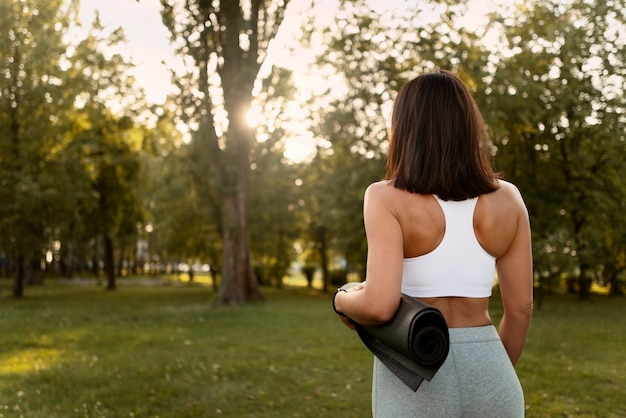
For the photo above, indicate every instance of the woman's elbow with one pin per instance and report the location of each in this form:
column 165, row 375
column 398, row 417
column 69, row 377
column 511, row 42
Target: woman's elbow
column 522, row 312
column 382, row 313
column 381, row 317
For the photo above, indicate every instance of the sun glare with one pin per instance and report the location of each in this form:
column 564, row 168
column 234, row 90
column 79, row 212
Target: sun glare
column 300, row 149
column 254, row 116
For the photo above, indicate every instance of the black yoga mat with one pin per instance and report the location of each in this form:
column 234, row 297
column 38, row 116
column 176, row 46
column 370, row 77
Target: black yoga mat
column 413, row 345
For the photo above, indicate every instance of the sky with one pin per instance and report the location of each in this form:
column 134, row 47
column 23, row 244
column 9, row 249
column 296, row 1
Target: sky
column 148, row 43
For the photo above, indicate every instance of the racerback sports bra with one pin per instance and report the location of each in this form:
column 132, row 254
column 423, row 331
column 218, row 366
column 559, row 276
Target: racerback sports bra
column 459, row 266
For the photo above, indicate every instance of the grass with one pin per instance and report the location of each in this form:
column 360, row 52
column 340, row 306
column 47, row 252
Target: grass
column 574, row 364
column 172, row 351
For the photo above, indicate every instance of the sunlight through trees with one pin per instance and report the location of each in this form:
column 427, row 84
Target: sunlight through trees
column 257, row 163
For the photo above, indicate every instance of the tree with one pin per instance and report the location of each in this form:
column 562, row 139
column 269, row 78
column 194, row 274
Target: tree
column 558, row 106
column 227, row 41
column 276, row 193
column 274, row 220
column 111, row 167
column 32, row 100
column 103, row 143
column 375, row 55
column 51, row 92
column 182, row 229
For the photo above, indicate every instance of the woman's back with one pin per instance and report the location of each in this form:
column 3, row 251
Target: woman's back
column 495, row 222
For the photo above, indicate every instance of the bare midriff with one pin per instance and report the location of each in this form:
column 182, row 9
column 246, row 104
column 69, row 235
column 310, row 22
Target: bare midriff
column 461, row 312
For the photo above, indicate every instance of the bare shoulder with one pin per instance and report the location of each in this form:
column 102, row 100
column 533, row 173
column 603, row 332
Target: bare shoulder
column 507, row 198
column 380, row 192
column 510, row 190
column 379, row 188
column 394, row 199
column 375, row 195
column 498, row 217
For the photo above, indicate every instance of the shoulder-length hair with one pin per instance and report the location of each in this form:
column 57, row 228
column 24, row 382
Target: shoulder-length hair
column 438, row 141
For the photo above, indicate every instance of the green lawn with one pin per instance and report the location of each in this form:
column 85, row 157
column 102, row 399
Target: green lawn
column 172, row 351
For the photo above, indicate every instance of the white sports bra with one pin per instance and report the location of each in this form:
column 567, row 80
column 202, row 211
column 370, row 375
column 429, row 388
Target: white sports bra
column 459, row 266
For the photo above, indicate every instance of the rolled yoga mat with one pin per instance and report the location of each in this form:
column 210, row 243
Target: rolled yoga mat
column 413, row 345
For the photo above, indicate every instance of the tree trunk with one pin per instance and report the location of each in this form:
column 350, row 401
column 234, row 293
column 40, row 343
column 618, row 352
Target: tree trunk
column 239, row 284
column 614, row 289
column 33, row 272
column 70, row 262
column 96, row 259
column 539, row 293
column 18, row 284
column 584, row 281
column 278, row 273
column 323, row 248
column 214, row 280
column 109, row 266
column 120, row 260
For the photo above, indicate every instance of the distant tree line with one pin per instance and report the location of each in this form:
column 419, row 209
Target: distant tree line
column 86, row 185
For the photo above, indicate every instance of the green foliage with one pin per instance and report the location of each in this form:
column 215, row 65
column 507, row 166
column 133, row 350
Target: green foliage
column 69, row 351
column 67, row 165
column 31, row 104
column 556, row 110
column 549, row 79
column 184, row 231
column 374, row 56
column 547, row 75
column 275, row 201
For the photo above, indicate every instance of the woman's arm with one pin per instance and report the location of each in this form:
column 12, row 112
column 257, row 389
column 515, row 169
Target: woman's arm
column 515, row 277
column 377, row 301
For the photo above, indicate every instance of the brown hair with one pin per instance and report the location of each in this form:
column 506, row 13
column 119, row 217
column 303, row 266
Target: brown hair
column 438, row 141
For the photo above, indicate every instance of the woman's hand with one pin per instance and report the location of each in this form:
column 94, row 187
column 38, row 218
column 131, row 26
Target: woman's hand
column 348, row 288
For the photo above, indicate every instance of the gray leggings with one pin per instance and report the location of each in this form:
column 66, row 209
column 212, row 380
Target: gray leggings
column 476, row 380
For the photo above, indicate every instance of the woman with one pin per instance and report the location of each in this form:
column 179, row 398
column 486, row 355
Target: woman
column 438, row 228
